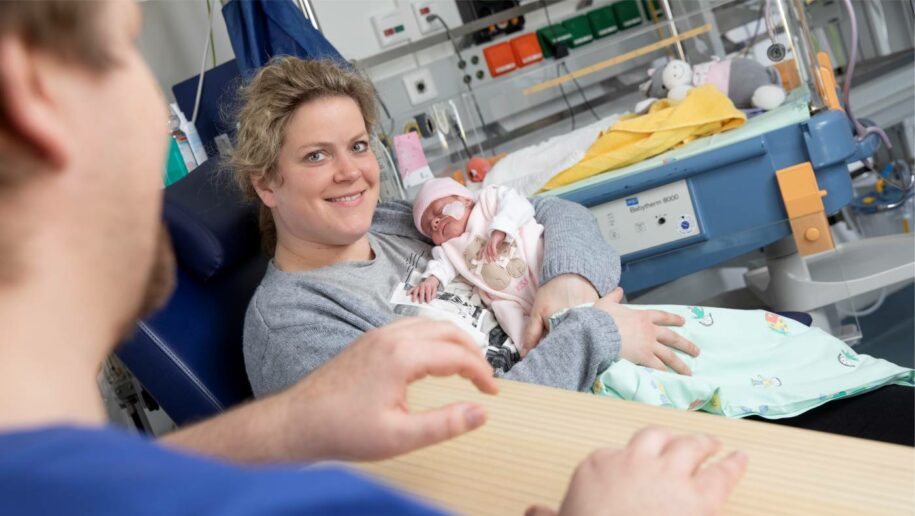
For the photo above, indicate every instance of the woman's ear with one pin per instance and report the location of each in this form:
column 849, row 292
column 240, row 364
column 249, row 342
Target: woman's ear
column 265, row 190
column 26, row 104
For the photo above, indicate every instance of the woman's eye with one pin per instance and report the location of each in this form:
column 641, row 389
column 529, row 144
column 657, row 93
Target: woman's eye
column 315, row 157
column 360, row 146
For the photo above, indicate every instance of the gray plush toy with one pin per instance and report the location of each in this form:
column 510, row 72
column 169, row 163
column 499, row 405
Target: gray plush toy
column 747, row 83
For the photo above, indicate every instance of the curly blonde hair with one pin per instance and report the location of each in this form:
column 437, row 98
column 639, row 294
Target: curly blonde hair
column 268, row 102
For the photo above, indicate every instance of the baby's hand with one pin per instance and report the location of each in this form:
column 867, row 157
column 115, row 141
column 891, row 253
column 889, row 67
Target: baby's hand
column 491, row 250
column 425, row 291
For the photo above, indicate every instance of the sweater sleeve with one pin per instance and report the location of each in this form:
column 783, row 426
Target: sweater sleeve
column 572, row 243
column 514, row 211
column 440, row 267
column 276, row 358
column 584, row 342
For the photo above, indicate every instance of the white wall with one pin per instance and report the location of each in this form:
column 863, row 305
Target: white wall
column 173, row 37
column 347, row 25
column 175, row 31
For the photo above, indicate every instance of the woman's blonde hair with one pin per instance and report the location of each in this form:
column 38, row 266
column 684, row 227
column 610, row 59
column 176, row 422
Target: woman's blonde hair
column 268, row 102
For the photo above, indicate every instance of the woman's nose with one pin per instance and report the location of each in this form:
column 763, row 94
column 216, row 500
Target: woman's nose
column 347, row 171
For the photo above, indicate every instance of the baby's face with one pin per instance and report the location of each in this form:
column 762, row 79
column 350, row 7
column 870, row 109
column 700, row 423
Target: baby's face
column 441, row 227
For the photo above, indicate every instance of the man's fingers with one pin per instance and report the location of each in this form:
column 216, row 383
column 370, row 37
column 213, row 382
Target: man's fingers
column 673, row 339
column 663, row 318
column 440, row 359
column 539, row 510
column 437, row 425
column 650, row 441
column 719, row 479
column 408, row 328
column 672, row 361
column 686, row 453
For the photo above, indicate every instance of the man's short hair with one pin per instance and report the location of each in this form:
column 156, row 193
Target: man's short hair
column 69, row 29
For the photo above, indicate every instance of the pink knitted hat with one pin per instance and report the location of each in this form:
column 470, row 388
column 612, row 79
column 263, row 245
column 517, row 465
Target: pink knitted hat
column 433, row 190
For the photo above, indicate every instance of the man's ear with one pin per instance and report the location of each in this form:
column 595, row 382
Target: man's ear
column 26, row 105
column 265, row 190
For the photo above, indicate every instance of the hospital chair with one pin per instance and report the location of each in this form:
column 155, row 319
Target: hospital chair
column 189, row 354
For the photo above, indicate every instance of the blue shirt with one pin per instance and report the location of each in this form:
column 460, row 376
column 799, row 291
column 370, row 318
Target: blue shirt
column 67, row 470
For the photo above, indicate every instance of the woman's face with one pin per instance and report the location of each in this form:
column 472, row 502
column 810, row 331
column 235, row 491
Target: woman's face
column 327, row 183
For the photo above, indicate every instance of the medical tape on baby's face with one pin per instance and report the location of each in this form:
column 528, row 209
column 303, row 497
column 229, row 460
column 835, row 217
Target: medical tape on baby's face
column 454, row 210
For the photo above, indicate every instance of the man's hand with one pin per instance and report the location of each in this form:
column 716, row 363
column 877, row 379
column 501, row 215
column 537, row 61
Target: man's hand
column 655, row 474
column 355, row 406
column 490, row 252
column 425, row 291
column 644, row 340
column 563, row 291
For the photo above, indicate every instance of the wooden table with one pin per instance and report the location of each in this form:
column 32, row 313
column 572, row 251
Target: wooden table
column 535, row 436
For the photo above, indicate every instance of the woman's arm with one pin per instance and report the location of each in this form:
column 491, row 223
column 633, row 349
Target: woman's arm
column 584, row 343
column 572, row 243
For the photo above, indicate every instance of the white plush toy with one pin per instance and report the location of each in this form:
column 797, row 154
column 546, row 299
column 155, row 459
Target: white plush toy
column 747, row 83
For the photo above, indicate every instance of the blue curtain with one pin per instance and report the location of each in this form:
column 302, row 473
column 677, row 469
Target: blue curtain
column 261, row 29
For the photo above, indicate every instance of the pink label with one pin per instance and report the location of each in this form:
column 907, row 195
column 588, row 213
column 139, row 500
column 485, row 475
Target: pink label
column 411, row 160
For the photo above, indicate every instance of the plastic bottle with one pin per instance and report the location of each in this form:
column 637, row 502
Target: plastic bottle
column 175, row 168
column 179, row 137
column 193, row 138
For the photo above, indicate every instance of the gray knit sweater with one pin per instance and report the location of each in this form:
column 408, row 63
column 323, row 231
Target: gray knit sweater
column 297, row 321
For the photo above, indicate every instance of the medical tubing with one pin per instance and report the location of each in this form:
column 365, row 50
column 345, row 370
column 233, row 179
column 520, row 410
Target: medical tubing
column 849, row 72
column 203, row 65
column 762, row 12
column 473, row 95
column 566, row 99
column 769, row 28
column 580, row 91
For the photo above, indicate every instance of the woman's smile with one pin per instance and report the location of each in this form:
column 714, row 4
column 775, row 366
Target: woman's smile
column 349, row 200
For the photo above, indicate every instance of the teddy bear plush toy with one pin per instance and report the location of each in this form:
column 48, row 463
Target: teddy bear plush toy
column 747, row 83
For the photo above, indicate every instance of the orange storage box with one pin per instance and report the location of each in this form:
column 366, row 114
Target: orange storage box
column 526, row 49
column 500, row 58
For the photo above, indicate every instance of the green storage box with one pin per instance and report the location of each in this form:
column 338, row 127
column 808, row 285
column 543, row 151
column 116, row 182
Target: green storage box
column 580, row 28
column 552, row 35
column 627, row 14
column 603, row 22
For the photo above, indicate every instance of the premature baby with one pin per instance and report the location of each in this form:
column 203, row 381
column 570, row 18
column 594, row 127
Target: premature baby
column 490, row 239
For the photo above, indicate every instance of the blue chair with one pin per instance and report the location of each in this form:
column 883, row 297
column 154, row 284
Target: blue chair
column 188, row 356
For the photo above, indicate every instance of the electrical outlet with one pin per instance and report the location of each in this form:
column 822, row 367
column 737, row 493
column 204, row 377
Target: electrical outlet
column 422, row 10
column 420, row 86
column 390, row 28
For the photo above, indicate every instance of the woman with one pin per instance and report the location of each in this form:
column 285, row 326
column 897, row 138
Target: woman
column 338, row 256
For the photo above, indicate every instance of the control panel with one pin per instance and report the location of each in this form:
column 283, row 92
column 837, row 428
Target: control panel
column 648, row 219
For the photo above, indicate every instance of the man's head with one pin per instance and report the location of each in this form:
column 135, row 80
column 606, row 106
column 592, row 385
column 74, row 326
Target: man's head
column 82, row 140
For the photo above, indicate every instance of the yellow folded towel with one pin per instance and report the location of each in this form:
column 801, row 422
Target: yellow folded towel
column 704, row 111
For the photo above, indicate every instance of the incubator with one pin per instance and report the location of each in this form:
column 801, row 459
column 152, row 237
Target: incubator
column 744, row 217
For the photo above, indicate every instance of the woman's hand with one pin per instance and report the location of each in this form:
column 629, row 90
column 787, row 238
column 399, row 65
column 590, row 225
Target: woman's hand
column 644, row 340
column 655, row 474
column 563, row 291
column 425, row 291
